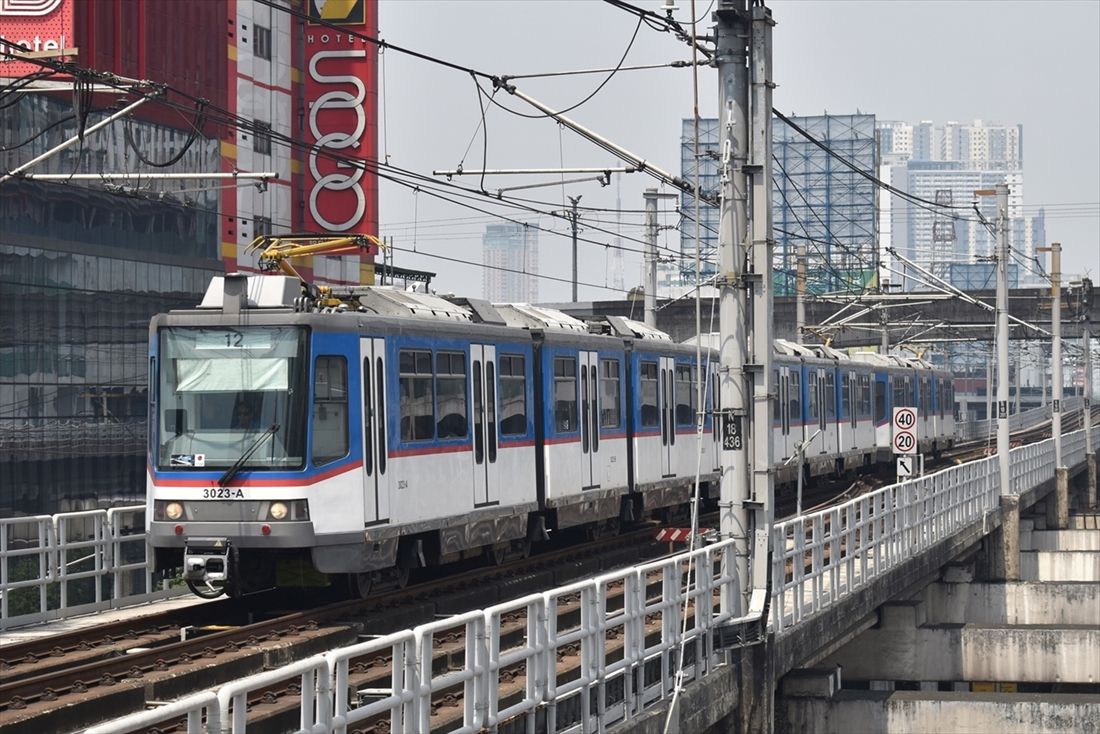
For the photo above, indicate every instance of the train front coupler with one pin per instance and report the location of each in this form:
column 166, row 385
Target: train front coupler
column 210, row 567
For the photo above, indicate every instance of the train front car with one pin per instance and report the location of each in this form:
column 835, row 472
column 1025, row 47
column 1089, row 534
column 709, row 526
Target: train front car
column 249, row 430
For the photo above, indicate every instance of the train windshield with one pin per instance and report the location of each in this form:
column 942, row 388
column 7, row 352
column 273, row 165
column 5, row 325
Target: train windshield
column 221, row 388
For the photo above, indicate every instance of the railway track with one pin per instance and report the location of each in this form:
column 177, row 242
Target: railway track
column 123, row 667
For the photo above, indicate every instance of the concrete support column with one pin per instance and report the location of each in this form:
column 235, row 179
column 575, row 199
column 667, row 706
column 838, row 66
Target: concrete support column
column 1006, row 566
column 1061, row 498
column 1091, row 459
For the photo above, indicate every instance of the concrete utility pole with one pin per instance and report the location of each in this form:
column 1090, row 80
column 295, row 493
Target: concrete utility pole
column 651, row 228
column 1090, row 451
column 745, row 350
column 1061, row 475
column 800, row 293
column 1002, row 337
column 574, row 200
column 761, row 285
column 1009, row 532
column 651, row 258
column 731, row 57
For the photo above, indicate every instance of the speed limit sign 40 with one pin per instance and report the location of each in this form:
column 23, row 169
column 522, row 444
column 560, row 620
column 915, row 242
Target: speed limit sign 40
column 905, row 426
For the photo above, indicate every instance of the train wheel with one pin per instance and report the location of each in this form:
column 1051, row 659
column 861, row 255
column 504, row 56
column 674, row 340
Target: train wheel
column 360, row 585
column 401, row 576
column 496, row 554
column 206, row 589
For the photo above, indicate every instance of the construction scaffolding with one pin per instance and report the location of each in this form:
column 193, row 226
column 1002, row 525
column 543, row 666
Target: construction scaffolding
column 817, row 201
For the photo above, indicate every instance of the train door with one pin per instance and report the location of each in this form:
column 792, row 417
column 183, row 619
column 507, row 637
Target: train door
column 781, row 419
column 483, row 371
column 851, row 416
column 376, row 496
column 715, row 419
column 590, row 419
column 826, row 384
column 666, row 400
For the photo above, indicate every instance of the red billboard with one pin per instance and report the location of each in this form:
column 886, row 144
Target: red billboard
column 42, row 26
column 340, row 90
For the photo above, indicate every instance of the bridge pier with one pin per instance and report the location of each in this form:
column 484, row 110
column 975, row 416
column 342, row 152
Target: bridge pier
column 1005, row 541
column 1091, row 488
column 967, row 654
column 1060, row 506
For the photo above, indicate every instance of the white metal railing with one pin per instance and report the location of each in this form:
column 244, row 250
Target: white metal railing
column 971, row 430
column 59, row 566
column 821, row 557
column 503, row 664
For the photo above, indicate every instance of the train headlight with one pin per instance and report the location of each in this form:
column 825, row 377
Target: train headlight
column 278, row 511
column 174, row 510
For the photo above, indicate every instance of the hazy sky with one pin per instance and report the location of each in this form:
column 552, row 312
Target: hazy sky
column 1012, row 62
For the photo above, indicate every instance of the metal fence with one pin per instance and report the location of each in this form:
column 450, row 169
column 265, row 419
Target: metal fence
column 59, row 566
column 987, row 428
column 623, row 631
column 821, row 557
column 509, row 664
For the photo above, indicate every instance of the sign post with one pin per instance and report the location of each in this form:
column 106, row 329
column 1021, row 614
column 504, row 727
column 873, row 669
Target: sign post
column 904, row 443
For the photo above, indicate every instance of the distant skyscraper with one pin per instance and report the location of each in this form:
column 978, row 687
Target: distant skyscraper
column 946, row 165
column 816, row 201
column 510, row 253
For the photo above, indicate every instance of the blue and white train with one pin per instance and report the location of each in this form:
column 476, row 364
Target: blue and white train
column 400, row 430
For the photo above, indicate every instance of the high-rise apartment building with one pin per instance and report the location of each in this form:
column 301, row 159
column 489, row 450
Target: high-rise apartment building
column 510, row 253
column 944, row 165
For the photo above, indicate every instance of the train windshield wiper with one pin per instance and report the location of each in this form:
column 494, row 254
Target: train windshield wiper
column 232, row 471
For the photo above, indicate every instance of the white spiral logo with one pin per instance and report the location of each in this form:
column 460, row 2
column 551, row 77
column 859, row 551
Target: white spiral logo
column 28, row 7
column 337, row 139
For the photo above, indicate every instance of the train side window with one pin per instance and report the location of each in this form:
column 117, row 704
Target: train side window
column 864, row 396
column 417, row 404
column 513, row 395
column 880, row 400
column 794, row 396
column 381, row 422
column 368, row 434
column 846, row 397
column 565, row 394
column 683, row 395
column 647, row 381
column 814, row 408
column 777, row 413
column 479, row 436
column 830, row 394
column 330, row 409
column 491, row 410
column 450, row 394
column 610, row 395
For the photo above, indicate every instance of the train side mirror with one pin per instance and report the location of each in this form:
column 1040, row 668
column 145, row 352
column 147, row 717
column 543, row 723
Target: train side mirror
column 176, row 419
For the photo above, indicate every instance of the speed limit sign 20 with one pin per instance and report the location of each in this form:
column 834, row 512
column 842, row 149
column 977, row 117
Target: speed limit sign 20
column 905, row 442
column 905, row 425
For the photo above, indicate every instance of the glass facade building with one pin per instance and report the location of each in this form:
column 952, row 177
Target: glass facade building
column 82, row 270
column 510, row 252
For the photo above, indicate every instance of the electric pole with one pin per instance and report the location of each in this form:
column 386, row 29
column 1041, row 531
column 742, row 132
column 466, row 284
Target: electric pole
column 1002, row 337
column 1083, row 303
column 572, row 214
column 744, row 278
column 800, row 293
column 651, row 197
column 1061, row 476
column 731, row 56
